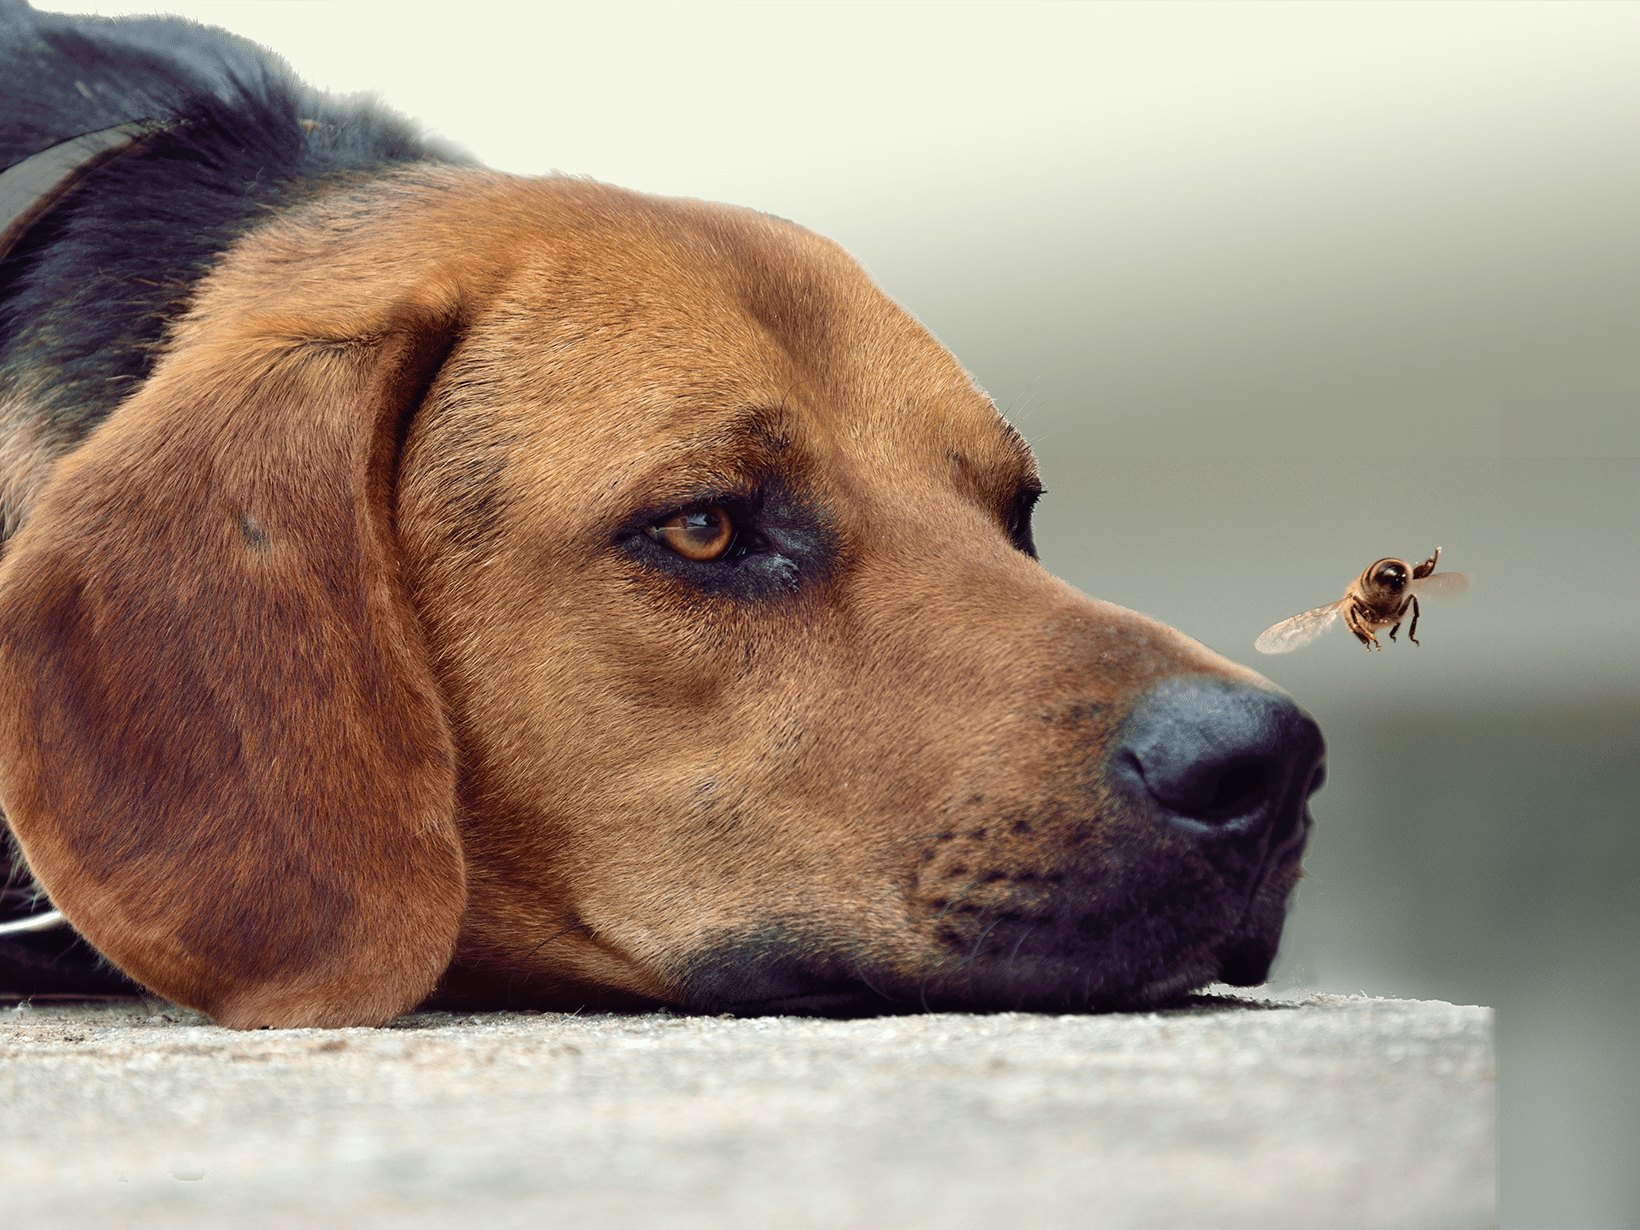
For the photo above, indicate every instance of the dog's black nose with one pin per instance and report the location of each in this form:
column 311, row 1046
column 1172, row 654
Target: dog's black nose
column 1221, row 759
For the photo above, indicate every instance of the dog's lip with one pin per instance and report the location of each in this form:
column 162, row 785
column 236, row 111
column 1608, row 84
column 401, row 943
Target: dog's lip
column 1192, row 976
column 767, row 978
column 1192, row 972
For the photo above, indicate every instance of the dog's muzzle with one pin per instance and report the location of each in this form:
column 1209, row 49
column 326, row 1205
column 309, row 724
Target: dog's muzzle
column 1164, row 866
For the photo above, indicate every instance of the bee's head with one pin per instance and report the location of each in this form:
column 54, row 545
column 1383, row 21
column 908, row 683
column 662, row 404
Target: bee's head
column 1389, row 574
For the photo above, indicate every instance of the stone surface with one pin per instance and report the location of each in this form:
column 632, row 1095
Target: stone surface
column 1230, row 1112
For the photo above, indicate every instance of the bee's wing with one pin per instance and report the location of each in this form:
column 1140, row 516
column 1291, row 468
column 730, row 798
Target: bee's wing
column 1289, row 634
column 1441, row 585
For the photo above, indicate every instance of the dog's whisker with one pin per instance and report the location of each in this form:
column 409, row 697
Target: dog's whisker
column 558, row 935
column 1024, row 934
column 976, row 948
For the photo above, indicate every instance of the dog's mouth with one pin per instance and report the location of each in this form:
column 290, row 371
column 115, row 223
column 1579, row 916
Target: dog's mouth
column 823, row 998
column 796, row 968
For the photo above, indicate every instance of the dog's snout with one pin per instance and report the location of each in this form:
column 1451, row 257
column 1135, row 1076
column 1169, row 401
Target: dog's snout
column 1221, row 759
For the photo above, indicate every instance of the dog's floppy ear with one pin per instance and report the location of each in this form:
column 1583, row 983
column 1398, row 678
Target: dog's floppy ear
column 221, row 745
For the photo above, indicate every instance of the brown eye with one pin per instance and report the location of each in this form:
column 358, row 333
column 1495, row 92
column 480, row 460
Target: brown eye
column 702, row 535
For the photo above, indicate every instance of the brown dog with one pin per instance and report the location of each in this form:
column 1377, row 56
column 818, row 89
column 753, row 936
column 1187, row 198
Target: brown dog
column 548, row 594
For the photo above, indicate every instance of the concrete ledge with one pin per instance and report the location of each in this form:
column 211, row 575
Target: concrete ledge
column 1329, row 1111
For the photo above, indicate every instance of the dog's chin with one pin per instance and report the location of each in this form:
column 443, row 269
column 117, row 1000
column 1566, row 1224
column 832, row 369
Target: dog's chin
column 769, row 973
column 863, row 1001
column 1245, row 960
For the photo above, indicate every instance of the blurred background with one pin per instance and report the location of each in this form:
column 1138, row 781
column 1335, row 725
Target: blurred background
column 1274, row 290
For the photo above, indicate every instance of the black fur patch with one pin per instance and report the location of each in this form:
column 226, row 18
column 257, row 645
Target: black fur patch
column 86, row 297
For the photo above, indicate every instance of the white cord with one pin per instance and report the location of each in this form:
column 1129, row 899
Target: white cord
column 40, row 922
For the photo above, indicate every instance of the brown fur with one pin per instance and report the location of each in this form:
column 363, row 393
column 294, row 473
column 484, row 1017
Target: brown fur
column 321, row 666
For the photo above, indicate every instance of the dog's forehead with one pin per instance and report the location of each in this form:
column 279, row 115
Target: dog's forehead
column 702, row 328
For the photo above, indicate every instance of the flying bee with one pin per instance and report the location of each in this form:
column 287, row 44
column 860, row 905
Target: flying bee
column 1378, row 598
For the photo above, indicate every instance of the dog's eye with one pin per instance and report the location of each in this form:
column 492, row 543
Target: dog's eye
column 702, row 535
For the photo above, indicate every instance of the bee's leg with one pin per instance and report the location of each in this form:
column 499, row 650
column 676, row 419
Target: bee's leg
column 1400, row 617
column 1424, row 569
column 1354, row 622
column 1412, row 632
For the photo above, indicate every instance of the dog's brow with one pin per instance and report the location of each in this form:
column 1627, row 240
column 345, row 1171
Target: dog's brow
column 756, row 429
column 731, row 451
column 1016, row 444
column 1003, row 462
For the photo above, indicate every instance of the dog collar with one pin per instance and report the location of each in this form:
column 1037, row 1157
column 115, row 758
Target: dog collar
column 36, row 922
column 30, row 189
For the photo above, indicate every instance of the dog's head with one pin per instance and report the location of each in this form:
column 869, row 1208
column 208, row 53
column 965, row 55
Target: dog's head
column 595, row 599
